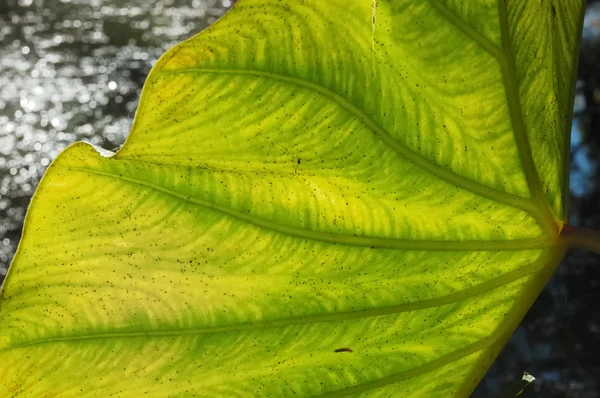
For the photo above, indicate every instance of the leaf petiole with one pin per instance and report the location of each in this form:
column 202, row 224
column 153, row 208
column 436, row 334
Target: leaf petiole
column 581, row 238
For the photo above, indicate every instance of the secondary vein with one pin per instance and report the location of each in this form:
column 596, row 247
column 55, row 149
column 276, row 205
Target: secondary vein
column 425, row 164
column 354, row 240
column 455, row 297
column 416, row 371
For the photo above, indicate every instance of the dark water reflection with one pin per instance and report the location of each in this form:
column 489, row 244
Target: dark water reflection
column 72, row 70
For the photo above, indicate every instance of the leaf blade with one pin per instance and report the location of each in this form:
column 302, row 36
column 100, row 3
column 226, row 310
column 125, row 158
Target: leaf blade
column 219, row 230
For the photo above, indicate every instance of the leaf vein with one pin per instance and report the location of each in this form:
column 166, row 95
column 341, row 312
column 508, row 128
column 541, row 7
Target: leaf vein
column 503, row 56
column 451, row 298
column 353, row 240
column 434, row 169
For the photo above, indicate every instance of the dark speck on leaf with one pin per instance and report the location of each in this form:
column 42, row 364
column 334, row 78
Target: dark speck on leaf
column 345, row 349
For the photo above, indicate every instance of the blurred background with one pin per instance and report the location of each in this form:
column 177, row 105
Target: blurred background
column 72, row 70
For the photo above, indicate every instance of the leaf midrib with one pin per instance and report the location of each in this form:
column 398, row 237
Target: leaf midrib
column 504, row 58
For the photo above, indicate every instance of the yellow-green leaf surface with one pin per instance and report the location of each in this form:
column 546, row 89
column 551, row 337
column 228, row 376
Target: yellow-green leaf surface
column 305, row 176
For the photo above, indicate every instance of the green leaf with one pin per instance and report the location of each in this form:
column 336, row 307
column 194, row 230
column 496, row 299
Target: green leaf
column 386, row 177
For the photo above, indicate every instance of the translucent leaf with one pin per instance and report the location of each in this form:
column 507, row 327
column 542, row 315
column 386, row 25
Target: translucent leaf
column 318, row 198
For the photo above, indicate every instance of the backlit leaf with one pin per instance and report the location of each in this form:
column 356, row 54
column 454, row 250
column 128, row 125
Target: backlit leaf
column 318, row 198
